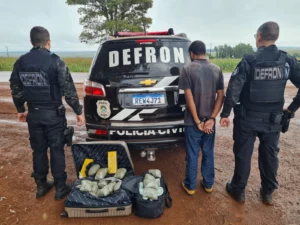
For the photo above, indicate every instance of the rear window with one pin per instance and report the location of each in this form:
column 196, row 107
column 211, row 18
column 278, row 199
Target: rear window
column 156, row 57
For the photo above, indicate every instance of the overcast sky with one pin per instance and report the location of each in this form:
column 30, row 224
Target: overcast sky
column 214, row 22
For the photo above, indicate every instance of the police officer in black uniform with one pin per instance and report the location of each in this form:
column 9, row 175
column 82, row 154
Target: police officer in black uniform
column 256, row 91
column 41, row 78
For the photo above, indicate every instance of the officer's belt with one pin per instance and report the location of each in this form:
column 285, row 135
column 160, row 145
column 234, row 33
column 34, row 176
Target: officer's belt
column 43, row 107
column 259, row 115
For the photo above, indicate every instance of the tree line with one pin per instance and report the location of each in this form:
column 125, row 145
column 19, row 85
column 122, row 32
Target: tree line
column 238, row 51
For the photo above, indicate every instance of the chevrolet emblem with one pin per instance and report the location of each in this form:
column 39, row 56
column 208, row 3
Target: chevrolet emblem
column 148, row 82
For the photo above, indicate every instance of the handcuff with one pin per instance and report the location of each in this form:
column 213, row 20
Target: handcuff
column 206, row 119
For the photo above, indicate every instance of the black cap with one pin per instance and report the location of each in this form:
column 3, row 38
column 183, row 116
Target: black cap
column 198, row 48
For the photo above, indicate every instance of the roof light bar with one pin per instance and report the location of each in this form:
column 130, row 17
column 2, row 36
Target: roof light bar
column 145, row 41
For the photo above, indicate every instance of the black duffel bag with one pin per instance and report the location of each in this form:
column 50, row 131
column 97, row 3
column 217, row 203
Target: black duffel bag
column 146, row 208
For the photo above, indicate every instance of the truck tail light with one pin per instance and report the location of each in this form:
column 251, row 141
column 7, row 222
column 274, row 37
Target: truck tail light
column 98, row 132
column 131, row 34
column 92, row 88
column 101, row 132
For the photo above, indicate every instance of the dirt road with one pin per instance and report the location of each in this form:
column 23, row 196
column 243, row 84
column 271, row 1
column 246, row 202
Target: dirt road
column 17, row 189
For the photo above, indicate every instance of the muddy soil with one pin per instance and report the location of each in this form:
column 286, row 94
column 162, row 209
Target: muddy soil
column 17, row 189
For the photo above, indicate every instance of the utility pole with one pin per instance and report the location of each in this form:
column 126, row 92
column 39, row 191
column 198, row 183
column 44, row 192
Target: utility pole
column 210, row 49
column 7, row 51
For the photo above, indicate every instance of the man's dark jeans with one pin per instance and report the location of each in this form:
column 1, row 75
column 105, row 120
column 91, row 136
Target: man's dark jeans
column 195, row 139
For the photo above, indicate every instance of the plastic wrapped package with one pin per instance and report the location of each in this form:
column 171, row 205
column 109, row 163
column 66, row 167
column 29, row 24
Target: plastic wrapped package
column 156, row 173
column 101, row 174
column 93, row 170
column 120, row 174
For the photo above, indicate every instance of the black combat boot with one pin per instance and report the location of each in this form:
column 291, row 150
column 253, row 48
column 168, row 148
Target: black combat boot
column 43, row 187
column 239, row 197
column 266, row 197
column 61, row 190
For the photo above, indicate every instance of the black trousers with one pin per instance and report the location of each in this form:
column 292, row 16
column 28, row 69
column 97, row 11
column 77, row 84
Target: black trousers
column 244, row 134
column 46, row 129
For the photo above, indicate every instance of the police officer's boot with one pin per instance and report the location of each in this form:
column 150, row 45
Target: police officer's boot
column 43, row 187
column 266, row 197
column 61, row 190
column 238, row 196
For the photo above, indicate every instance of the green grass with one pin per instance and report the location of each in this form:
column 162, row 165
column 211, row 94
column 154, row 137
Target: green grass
column 6, row 64
column 78, row 64
column 74, row 64
column 83, row 64
column 227, row 65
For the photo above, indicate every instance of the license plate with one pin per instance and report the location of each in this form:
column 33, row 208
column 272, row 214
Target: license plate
column 148, row 99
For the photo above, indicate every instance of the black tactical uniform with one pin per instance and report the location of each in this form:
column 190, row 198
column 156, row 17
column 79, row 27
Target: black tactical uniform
column 258, row 85
column 41, row 78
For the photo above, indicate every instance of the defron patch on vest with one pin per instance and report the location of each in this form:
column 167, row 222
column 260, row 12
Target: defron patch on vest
column 271, row 73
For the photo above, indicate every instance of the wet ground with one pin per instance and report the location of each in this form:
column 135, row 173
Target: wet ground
column 17, row 189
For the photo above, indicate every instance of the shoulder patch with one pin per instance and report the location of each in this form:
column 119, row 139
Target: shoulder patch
column 287, row 70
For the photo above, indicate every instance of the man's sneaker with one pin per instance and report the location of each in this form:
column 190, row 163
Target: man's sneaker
column 190, row 192
column 239, row 197
column 62, row 190
column 207, row 190
column 266, row 198
column 43, row 187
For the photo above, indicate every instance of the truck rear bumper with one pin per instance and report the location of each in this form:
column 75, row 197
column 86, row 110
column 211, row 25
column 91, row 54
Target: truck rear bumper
column 149, row 143
column 149, row 135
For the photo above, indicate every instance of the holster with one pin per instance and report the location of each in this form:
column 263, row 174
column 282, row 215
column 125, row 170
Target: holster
column 69, row 131
column 238, row 111
column 68, row 134
column 276, row 117
column 61, row 110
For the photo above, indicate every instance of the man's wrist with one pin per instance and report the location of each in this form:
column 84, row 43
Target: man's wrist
column 212, row 118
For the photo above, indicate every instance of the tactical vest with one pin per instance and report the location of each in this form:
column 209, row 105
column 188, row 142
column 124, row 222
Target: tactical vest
column 264, row 89
column 38, row 85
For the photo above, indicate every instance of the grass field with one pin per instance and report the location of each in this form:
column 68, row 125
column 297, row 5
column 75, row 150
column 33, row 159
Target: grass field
column 83, row 64
column 74, row 64
column 227, row 65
